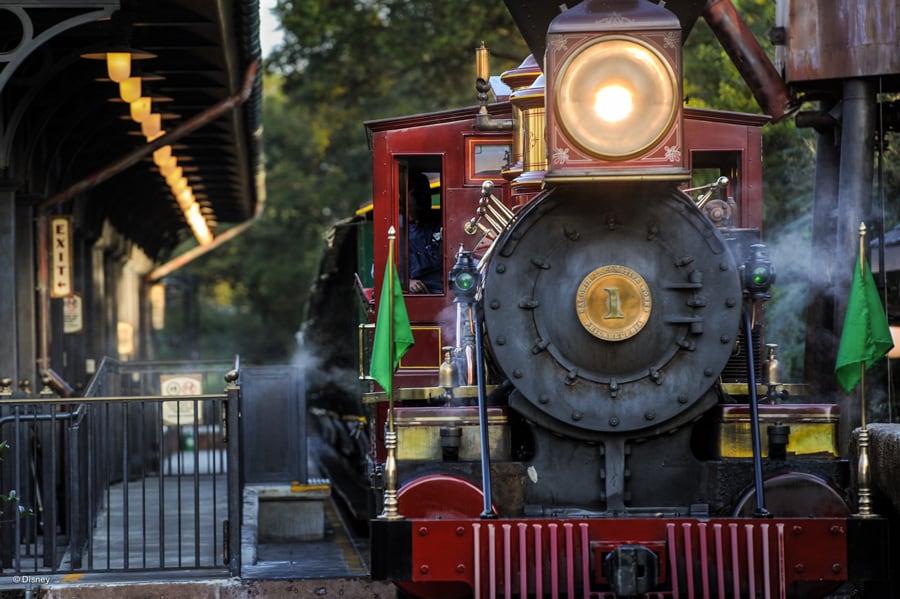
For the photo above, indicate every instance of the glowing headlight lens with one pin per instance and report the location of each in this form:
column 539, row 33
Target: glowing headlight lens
column 613, row 103
column 616, row 97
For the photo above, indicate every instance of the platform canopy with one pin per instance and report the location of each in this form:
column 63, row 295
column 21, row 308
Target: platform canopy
column 64, row 124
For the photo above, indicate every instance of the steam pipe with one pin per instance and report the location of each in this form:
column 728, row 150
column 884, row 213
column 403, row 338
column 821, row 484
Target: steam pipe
column 767, row 86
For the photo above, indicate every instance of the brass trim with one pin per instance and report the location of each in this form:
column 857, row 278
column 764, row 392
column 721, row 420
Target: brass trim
column 795, row 389
column 638, row 174
column 424, row 393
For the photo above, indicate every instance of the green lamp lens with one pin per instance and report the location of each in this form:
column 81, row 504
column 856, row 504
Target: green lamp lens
column 465, row 281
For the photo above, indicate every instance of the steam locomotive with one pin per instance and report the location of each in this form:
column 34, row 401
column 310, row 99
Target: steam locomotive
column 590, row 407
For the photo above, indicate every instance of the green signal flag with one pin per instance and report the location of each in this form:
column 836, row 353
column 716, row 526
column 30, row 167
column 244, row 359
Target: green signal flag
column 866, row 336
column 386, row 359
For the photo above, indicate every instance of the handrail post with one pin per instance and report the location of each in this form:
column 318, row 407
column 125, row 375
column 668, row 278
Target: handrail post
column 235, row 478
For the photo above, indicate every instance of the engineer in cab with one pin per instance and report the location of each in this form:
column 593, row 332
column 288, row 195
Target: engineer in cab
column 424, row 239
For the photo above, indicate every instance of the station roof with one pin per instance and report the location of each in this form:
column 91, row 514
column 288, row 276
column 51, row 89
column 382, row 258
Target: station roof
column 67, row 136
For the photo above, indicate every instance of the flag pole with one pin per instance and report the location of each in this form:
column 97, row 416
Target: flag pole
column 391, row 507
column 862, row 469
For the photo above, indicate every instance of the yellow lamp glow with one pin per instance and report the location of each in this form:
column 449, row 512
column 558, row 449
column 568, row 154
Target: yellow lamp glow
column 178, row 184
column 176, row 174
column 198, row 224
column 613, row 103
column 130, row 89
column 118, row 65
column 168, row 167
column 151, row 125
column 140, row 109
column 162, row 156
column 185, row 198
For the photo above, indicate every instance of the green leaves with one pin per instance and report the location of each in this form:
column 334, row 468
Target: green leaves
column 382, row 58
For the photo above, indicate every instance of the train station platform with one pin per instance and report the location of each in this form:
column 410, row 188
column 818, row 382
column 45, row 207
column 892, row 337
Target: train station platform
column 332, row 562
column 334, row 566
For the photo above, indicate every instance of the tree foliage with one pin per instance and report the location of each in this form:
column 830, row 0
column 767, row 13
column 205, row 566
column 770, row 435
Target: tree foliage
column 376, row 58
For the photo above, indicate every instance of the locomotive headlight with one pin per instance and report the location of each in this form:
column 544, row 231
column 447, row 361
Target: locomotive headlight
column 616, row 97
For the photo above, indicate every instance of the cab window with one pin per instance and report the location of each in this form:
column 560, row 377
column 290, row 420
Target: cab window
column 421, row 232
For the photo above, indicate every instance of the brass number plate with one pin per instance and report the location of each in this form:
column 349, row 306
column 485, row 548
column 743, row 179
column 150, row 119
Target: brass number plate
column 613, row 303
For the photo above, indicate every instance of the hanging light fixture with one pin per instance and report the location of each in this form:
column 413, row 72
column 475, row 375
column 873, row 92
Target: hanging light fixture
column 118, row 65
column 119, row 55
column 198, row 225
column 140, row 109
column 167, row 166
column 130, row 89
column 185, row 198
column 176, row 174
column 178, row 185
column 118, row 60
column 162, row 156
column 119, row 68
column 152, row 125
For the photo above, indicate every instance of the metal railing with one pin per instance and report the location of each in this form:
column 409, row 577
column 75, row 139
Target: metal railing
column 141, row 473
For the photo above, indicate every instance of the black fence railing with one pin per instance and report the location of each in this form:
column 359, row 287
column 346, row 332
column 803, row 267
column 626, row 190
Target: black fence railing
column 141, row 473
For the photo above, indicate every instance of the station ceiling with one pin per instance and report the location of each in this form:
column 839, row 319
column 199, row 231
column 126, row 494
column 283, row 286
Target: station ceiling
column 66, row 136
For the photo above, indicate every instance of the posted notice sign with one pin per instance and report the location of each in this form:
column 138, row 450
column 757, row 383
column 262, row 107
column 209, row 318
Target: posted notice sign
column 180, row 412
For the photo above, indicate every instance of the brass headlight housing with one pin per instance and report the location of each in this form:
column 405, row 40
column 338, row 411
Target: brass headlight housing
column 616, row 97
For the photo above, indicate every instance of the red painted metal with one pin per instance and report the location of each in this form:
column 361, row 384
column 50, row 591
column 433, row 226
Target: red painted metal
column 670, row 537
column 585, row 557
column 523, row 554
column 720, row 559
column 704, row 558
column 761, row 557
column 782, row 587
column 751, row 569
column 538, row 561
column 442, row 496
column 688, row 557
